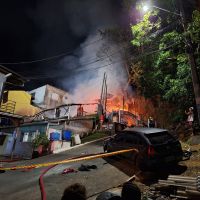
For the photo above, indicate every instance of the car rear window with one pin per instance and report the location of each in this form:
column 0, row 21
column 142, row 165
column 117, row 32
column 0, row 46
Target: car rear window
column 159, row 138
column 128, row 138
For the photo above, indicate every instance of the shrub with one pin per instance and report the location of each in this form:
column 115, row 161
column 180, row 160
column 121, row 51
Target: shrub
column 41, row 140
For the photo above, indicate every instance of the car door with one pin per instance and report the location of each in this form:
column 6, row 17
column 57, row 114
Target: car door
column 142, row 148
column 118, row 142
column 131, row 141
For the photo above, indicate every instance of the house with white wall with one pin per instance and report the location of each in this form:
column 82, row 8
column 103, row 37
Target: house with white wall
column 48, row 96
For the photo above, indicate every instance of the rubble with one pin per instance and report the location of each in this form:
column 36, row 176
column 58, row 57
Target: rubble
column 175, row 187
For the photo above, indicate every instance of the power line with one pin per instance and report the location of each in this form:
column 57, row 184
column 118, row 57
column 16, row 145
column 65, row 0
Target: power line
column 102, row 58
column 78, row 69
column 103, row 66
column 70, row 52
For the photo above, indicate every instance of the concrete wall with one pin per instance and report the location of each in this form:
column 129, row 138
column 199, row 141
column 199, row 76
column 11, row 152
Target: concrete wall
column 22, row 149
column 9, row 146
column 59, row 146
column 55, row 97
column 39, row 95
column 48, row 96
column 87, row 124
column 22, row 102
column 3, row 146
column 81, row 127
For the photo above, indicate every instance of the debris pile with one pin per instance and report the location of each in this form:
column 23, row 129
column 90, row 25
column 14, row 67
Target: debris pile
column 176, row 187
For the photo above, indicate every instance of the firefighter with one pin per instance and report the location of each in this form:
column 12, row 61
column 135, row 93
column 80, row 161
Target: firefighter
column 151, row 122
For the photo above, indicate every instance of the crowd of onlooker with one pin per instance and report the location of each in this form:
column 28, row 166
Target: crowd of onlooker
column 130, row 191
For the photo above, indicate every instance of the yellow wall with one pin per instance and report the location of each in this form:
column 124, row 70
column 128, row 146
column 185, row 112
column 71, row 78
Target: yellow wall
column 23, row 103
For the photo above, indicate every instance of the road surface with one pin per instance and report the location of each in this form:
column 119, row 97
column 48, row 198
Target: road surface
column 15, row 185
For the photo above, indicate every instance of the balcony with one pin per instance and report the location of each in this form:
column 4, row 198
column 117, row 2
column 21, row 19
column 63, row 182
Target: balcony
column 8, row 107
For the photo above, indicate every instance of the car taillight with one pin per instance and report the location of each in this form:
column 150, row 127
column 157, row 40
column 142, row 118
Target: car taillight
column 151, row 151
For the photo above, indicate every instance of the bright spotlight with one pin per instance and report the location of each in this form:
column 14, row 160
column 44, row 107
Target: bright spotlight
column 145, row 8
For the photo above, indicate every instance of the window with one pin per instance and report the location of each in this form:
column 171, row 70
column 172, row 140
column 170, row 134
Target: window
column 33, row 96
column 119, row 138
column 27, row 137
column 5, row 97
column 54, row 97
column 131, row 138
column 159, row 138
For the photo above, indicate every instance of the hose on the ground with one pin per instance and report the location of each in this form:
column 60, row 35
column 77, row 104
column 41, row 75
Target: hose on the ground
column 41, row 181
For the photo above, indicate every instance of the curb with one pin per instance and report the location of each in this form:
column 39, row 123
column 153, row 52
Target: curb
column 80, row 145
column 65, row 161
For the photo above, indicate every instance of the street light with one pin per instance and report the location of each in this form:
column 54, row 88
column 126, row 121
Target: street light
column 189, row 51
column 146, row 7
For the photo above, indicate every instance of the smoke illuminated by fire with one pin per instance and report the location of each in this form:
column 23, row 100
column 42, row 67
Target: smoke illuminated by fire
column 88, row 82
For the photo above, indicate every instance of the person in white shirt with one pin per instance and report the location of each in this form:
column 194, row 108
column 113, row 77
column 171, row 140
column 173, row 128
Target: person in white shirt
column 190, row 115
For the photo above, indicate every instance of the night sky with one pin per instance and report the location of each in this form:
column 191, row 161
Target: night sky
column 37, row 29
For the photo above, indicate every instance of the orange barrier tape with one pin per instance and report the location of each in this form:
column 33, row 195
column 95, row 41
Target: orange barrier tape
column 101, row 155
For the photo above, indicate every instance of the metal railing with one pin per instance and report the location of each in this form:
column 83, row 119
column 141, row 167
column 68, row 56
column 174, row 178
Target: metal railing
column 8, row 107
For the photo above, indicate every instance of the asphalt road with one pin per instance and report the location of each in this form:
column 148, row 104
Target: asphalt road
column 15, row 185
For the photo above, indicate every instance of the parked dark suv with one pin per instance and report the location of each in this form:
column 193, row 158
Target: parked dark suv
column 156, row 147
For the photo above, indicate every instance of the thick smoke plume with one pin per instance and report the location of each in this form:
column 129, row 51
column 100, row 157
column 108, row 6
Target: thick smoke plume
column 96, row 57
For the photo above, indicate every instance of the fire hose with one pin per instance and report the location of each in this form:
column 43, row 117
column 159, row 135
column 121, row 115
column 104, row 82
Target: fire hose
column 83, row 158
column 50, row 165
column 41, row 181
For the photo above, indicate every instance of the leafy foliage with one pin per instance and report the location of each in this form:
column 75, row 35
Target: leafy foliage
column 41, row 139
column 164, row 66
column 154, row 50
column 194, row 27
column 142, row 30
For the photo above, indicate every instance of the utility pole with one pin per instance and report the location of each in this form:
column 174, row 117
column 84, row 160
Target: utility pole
column 192, row 61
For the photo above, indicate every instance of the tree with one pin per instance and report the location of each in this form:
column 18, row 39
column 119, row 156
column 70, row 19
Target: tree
column 155, row 57
column 164, row 63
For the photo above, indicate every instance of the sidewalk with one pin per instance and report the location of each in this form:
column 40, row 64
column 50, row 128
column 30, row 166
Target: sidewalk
column 51, row 157
column 4, row 159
